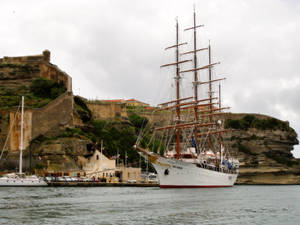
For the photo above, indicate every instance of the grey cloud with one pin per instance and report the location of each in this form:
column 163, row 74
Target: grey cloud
column 113, row 49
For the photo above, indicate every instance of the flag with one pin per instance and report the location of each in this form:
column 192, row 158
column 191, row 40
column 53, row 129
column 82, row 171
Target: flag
column 115, row 156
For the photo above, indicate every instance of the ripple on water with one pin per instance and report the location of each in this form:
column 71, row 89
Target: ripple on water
column 113, row 205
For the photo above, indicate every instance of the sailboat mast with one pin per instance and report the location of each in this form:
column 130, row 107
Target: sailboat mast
column 177, row 80
column 21, row 138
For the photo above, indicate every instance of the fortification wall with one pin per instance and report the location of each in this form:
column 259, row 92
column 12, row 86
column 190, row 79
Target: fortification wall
column 108, row 110
column 49, row 121
column 54, row 117
column 21, row 70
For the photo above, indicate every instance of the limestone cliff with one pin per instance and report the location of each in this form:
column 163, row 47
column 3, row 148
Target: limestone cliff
column 264, row 150
column 62, row 132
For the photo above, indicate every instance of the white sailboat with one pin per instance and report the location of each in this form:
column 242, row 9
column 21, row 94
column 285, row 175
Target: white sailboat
column 194, row 154
column 20, row 179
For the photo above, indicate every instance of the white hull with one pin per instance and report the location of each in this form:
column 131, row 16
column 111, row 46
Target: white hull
column 21, row 181
column 182, row 174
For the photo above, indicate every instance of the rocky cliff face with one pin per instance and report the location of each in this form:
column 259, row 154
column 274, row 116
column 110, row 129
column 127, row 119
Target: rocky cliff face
column 264, row 151
column 262, row 144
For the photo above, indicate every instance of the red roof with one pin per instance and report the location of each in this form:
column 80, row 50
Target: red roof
column 131, row 100
column 112, row 100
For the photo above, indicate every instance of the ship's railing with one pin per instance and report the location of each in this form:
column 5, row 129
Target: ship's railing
column 217, row 169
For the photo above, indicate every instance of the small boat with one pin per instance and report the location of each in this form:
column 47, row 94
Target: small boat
column 21, row 179
column 188, row 151
column 14, row 180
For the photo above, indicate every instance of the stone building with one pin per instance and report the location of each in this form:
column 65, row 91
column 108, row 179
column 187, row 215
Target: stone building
column 107, row 110
column 24, row 69
column 134, row 102
column 100, row 166
column 16, row 72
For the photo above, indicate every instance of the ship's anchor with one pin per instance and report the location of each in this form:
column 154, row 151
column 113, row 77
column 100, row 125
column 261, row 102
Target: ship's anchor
column 166, row 172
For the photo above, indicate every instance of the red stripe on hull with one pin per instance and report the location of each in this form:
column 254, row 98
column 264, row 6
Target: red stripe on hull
column 194, row 186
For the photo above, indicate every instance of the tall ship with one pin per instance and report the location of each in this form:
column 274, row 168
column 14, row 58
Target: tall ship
column 20, row 179
column 188, row 151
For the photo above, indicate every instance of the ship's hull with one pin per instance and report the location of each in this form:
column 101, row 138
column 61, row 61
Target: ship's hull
column 175, row 173
column 21, row 182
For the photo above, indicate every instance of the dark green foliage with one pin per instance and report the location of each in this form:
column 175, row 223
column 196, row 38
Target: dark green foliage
column 75, row 132
column 250, row 121
column 118, row 138
column 282, row 158
column 152, row 144
column 138, row 121
column 135, row 109
column 39, row 139
column 45, row 88
column 40, row 93
column 84, row 112
column 39, row 166
column 244, row 149
column 235, row 124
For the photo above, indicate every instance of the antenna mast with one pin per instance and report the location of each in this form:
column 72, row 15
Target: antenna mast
column 21, row 138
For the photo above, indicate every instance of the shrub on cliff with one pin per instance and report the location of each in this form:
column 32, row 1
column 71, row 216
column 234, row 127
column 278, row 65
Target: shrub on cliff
column 84, row 112
column 250, row 121
column 44, row 88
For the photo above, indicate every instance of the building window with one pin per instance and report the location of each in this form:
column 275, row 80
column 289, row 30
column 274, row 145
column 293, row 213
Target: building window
column 97, row 157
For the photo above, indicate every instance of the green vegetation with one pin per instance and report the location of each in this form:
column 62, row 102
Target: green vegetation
column 84, row 112
column 23, row 68
column 244, row 149
column 44, row 88
column 282, row 158
column 135, row 109
column 139, row 122
column 39, row 166
column 40, row 93
column 251, row 121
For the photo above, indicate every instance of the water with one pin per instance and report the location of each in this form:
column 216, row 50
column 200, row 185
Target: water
column 134, row 205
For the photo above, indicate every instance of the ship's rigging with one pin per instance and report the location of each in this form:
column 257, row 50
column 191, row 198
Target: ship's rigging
column 194, row 133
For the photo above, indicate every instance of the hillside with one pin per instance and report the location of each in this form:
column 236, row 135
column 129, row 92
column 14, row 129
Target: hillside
column 62, row 132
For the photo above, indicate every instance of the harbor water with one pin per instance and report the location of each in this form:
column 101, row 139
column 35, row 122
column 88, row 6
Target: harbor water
column 150, row 205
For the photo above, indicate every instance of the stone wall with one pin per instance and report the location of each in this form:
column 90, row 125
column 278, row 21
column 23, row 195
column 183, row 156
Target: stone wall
column 49, row 121
column 21, row 70
column 15, row 127
column 107, row 110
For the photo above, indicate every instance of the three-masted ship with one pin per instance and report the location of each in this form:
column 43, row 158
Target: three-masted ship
column 191, row 145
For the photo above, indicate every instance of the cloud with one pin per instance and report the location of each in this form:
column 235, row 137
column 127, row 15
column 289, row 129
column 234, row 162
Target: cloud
column 113, row 49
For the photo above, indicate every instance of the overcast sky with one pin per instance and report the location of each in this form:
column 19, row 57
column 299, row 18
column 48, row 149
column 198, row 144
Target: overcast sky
column 113, row 49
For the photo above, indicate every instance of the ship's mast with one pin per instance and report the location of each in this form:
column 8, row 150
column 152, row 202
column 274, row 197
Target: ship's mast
column 177, row 80
column 194, row 28
column 220, row 135
column 177, row 84
column 210, row 94
column 195, row 66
